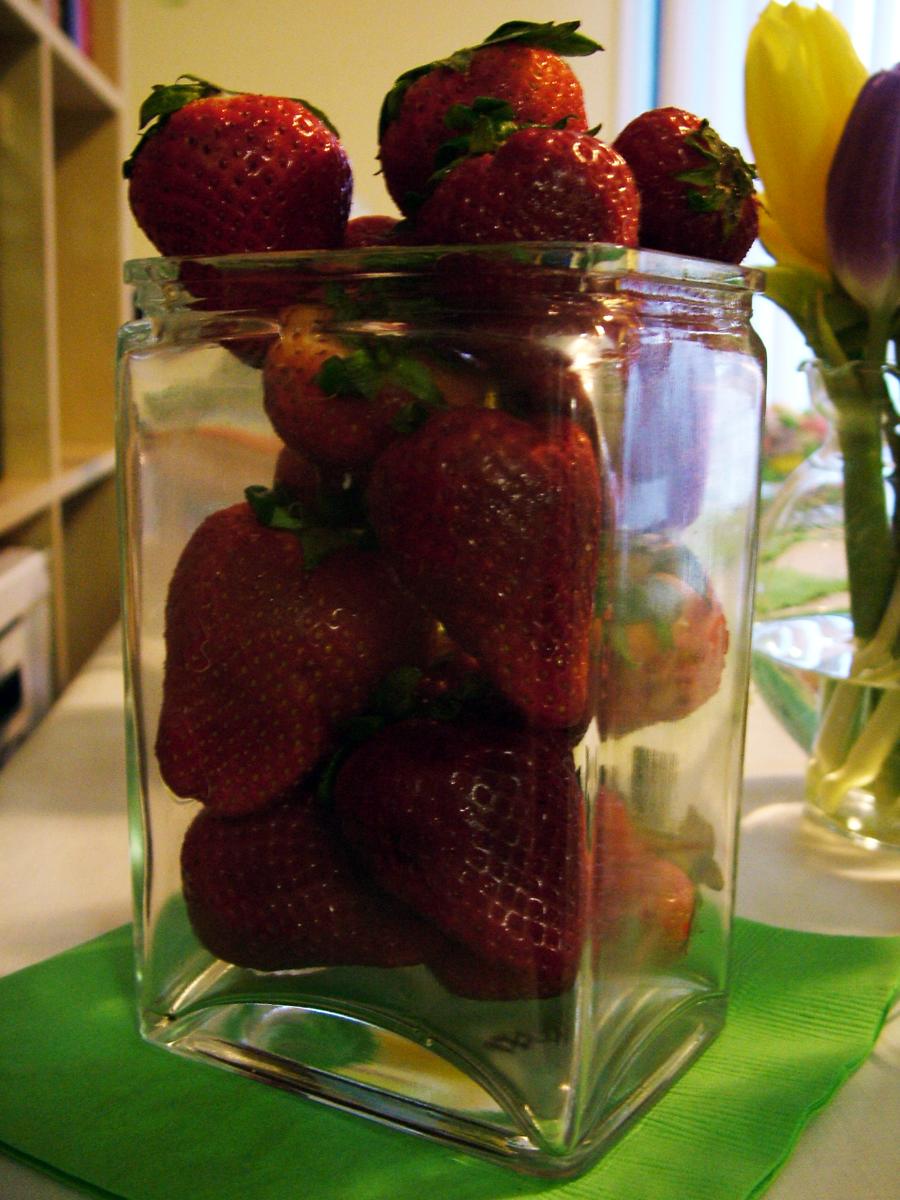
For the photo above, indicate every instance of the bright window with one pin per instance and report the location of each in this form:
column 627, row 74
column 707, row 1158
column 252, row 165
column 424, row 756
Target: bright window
column 700, row 55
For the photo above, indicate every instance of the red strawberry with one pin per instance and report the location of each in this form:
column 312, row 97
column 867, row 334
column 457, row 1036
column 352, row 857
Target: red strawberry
column 298, row 475
column 342, row 400
column 696, row 192
column 520, row 63
column 371, row 231
column 666, row 651
column 480, row 830
column 474, row 978
column 643, row 904
column 277, row 891
column 539, row 184
column 493, row 523
column 267, row 654
column 219, row 172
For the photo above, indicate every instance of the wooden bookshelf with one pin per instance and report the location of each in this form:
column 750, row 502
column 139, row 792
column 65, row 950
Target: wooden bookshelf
column 61, row 302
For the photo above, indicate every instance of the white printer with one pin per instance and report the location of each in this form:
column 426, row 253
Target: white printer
column 25, row 656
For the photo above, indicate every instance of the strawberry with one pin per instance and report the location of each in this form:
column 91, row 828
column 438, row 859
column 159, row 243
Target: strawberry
column 480, row 830
column 666, row 651
column 276, row 890
column 218, row 172
column 521, row 63
column 371, row 230
column 539, row 184
column 474, row 978
column 696, row 192
column 493, row 524
column 267, row 652
column 297, row 475
column 341, row 400
column 638, row 896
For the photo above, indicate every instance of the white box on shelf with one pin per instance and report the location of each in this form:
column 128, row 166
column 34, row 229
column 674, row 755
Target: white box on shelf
column 25, row 671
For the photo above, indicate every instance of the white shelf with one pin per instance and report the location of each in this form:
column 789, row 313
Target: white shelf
column 61, row 301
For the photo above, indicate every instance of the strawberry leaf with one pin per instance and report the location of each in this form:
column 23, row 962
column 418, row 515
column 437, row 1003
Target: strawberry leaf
column 414, row 377
column 725, row 180
column 318, row 112
column 321, row 528
column 343, row 305
column 165, row 99
column 355, row 374
column 482, row 125
column 447, row 154
column 369, row 370
column 275, row 508
column 562, row 38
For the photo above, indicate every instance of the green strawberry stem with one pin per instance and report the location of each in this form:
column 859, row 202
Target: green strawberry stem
column 331, row 524
column 370, row 369
column 723, row 183
column 482, row 126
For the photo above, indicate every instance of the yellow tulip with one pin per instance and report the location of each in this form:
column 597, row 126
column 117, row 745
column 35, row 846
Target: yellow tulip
column 802, row 77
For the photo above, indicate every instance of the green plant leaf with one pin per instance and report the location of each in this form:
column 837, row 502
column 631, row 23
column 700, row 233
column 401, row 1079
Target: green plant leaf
column 819, row 308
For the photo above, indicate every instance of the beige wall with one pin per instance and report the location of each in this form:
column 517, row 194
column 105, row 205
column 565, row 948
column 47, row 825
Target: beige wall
column 343, row 55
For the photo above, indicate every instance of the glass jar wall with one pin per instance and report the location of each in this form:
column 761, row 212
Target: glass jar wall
column 438, row 569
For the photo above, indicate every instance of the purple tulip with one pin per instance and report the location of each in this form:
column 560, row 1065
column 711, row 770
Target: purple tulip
column 862, row 209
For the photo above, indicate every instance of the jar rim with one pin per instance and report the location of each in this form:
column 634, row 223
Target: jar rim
column 597, row 259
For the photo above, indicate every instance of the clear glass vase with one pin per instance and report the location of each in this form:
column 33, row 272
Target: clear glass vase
column 438, row 568
column 826, row 654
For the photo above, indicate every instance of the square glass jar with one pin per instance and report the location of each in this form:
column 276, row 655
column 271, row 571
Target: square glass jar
column 437, row 577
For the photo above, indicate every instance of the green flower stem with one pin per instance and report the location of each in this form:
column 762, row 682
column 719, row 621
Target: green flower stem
column 867, row 755
column 838, row 719
column 837, row 762
column 858, row 731
column 876, row 662
column 860, row 399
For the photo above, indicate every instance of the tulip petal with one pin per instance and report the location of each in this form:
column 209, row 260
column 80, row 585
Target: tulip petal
column 863, row 197
column 779, row 245
column 802, row 77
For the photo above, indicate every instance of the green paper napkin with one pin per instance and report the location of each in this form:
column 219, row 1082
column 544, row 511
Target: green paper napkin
column 84, row 1099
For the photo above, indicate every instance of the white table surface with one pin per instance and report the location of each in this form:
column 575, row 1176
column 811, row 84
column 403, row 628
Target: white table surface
column 64, row 878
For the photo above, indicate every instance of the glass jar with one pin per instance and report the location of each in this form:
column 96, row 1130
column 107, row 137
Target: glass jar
column 825, row 654
column 438, row 568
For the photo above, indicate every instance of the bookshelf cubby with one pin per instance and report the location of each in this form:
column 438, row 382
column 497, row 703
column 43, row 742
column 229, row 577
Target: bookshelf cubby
column 62, row 224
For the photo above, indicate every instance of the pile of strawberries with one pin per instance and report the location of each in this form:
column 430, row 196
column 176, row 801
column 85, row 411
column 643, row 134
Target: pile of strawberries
column 488, row 145
column 379, row 662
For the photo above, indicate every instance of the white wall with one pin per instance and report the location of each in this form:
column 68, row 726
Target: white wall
column 343, row 55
